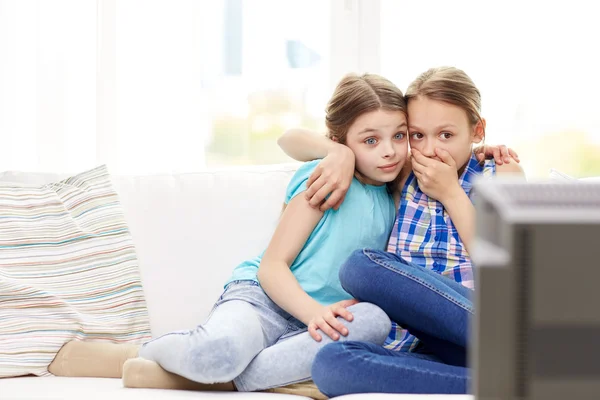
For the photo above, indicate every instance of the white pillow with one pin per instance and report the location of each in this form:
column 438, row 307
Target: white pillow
column 556, row 175
column 68, row 271
column 591, row 179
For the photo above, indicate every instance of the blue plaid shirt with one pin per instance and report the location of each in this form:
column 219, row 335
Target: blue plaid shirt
column 424, row 234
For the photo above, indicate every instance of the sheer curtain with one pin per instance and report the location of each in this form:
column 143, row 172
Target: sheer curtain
column 162, row 85
column 73, row 97
column 47, row 85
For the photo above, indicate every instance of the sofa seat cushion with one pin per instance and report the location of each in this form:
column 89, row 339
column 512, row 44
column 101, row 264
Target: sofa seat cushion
column 39, row 388
column 53, row 388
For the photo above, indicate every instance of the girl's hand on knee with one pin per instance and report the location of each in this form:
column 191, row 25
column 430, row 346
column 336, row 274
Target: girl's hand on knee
column 328, row 323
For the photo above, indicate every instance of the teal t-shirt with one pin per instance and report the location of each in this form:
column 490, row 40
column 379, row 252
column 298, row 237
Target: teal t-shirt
column 364, row 220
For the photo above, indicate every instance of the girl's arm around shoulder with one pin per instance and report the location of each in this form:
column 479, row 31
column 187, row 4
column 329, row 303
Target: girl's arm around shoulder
column 333, row 175
column 304, row 145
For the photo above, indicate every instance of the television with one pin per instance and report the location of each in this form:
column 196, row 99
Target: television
column 535, row 334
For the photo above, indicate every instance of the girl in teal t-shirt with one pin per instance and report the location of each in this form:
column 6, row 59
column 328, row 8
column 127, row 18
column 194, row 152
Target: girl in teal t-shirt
column 280, row 308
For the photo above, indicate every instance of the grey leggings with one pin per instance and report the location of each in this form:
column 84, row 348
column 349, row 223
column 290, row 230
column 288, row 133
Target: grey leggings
column 248, row 339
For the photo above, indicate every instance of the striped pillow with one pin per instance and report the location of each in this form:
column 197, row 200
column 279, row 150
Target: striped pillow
column 68, row 270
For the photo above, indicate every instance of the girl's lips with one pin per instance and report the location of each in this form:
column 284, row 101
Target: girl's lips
column 388, row 166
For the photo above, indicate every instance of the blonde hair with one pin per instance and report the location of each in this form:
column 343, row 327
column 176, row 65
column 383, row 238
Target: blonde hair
column 450, row 85
column 355, row 95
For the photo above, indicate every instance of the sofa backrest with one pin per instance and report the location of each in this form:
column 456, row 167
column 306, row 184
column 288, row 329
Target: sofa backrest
column 190, row 230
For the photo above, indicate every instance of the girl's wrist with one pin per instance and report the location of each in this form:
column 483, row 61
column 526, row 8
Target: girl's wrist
column 342, row 154
column 335, row 147
column 308, row 313
column 455, row 193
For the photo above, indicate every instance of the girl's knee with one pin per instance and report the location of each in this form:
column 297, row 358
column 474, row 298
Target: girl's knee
column 326, row 367
column 370, row 323
column 353, row 271
column 326, row 357
column 204, row 360
column 218, row 360
column 359, row 269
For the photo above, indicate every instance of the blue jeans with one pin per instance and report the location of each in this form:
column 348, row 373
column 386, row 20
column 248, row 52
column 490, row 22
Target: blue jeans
column 252, row 341
column 432, row 307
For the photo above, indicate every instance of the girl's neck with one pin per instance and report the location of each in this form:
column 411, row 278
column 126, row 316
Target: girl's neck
column 461, row 170
column 366, row 181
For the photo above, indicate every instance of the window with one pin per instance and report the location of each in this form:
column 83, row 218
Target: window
column 533, row 62
column 158, row 86
column 214, row 83
column 181, row 85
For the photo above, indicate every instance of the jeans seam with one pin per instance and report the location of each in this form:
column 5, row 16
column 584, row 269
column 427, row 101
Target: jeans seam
column 420, row 370
column 373, row 257
column 287, row 383
column 239, row 384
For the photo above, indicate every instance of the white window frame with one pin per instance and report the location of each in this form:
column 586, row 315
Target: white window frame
column 355, row 37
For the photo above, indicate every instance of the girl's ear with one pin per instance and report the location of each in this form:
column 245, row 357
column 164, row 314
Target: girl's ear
column 479, row 131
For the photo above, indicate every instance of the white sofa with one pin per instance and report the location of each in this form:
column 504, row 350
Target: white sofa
column 190, row 231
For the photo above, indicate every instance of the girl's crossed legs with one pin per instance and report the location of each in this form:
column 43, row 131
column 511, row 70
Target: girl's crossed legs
column 432, row 307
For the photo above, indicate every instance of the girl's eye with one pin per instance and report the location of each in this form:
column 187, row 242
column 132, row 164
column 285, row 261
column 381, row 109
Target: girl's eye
column 370, row 141
column 417, row 135
column 399, row 135
column 446, row 135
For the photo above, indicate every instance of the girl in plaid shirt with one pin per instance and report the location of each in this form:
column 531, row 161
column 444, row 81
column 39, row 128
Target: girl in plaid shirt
column 424, row 281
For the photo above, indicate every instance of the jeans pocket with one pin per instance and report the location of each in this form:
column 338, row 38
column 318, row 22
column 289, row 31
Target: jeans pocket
column 236, row 284
column 175, row 333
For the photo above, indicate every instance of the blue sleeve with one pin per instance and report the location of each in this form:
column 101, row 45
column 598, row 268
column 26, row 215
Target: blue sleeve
column 298, row 183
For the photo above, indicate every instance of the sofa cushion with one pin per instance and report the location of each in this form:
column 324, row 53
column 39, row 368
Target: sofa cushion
column 68, row 271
